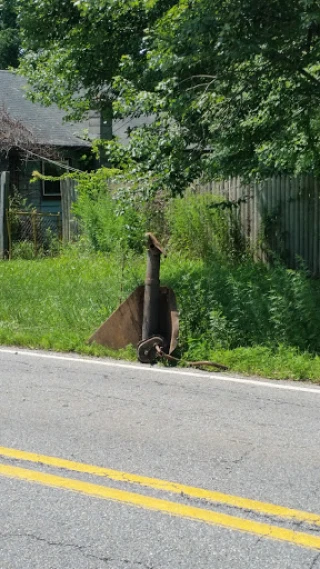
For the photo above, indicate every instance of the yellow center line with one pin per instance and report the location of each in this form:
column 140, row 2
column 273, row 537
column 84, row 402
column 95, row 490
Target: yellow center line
column 165, row 506
column 165, row 486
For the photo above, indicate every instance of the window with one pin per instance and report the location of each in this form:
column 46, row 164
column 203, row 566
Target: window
column 51, row 188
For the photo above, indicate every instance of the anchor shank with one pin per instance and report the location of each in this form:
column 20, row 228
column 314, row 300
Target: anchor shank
column 150, row 322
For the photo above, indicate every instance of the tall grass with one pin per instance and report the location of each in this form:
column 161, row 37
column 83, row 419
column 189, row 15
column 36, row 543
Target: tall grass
column 201, row 227
column 230, row 305
column 254, row 318
column 57, row 303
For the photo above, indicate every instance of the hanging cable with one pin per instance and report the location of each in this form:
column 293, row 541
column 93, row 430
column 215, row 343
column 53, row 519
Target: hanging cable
column 55, row 162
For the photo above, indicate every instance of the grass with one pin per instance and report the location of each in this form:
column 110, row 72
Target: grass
column 254, row 320
column 57, row 303
column 275, row 363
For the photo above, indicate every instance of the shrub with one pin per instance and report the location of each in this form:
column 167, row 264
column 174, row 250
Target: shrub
column 108, row 219
column 202, row 227
column 23, row 250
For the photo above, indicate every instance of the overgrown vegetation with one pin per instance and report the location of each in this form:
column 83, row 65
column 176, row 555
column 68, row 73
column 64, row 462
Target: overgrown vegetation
column 110, row 220
column 9, row 35
column 229, row 305
column 253, row 318
column 233, row 89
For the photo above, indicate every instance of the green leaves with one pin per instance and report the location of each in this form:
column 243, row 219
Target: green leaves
column 9, row 35
column 73, row 50
column 233, row 85
column 242, row 82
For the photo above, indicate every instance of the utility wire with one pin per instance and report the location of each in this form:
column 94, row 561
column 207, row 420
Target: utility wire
column 56, row 163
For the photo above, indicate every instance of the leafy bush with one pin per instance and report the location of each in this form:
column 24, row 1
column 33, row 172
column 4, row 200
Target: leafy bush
column 198, row 225
column 23, row 250
column 108, row 219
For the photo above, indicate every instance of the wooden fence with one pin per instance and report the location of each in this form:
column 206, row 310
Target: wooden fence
column 278, row 216
column 70, row 229
column 4, row 192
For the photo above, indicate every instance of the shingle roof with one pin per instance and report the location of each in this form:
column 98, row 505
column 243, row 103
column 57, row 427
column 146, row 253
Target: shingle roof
column 45, row 123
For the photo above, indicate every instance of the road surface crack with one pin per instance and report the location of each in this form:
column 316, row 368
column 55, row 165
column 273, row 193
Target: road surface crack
column 120, row 559
column 80, row 548
column 314, row 561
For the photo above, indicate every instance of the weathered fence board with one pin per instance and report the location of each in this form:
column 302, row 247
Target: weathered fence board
column 70, row 230
column 280, row 215
column 4, row 184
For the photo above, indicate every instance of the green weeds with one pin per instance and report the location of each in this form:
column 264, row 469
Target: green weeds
column 254, row 319
column 246, row 304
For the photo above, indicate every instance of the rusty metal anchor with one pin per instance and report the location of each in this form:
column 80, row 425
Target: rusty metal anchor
column 148, row 319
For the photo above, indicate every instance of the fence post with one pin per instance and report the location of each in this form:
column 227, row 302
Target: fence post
column 34, row 232
column 68, row 197
column 4, row 193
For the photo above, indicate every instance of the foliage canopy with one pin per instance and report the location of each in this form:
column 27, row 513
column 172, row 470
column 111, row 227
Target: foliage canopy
column 9, row 35
column 233, row 85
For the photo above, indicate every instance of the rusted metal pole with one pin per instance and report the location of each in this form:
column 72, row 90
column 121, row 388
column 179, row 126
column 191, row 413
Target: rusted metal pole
column 150, row 322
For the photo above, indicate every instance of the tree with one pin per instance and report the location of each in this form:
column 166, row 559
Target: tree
column 9, row 35
column 13, row 134
column 233, row 85
column 239, row 80
column 73, row 48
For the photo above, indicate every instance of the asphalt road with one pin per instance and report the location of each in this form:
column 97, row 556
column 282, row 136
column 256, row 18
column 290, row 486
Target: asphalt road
column 103, row 465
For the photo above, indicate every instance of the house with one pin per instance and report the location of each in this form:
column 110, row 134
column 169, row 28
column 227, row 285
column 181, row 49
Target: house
column 39, row 138
column 33, row 137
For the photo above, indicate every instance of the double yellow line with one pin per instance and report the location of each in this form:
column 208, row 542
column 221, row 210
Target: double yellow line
column 156, row 504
